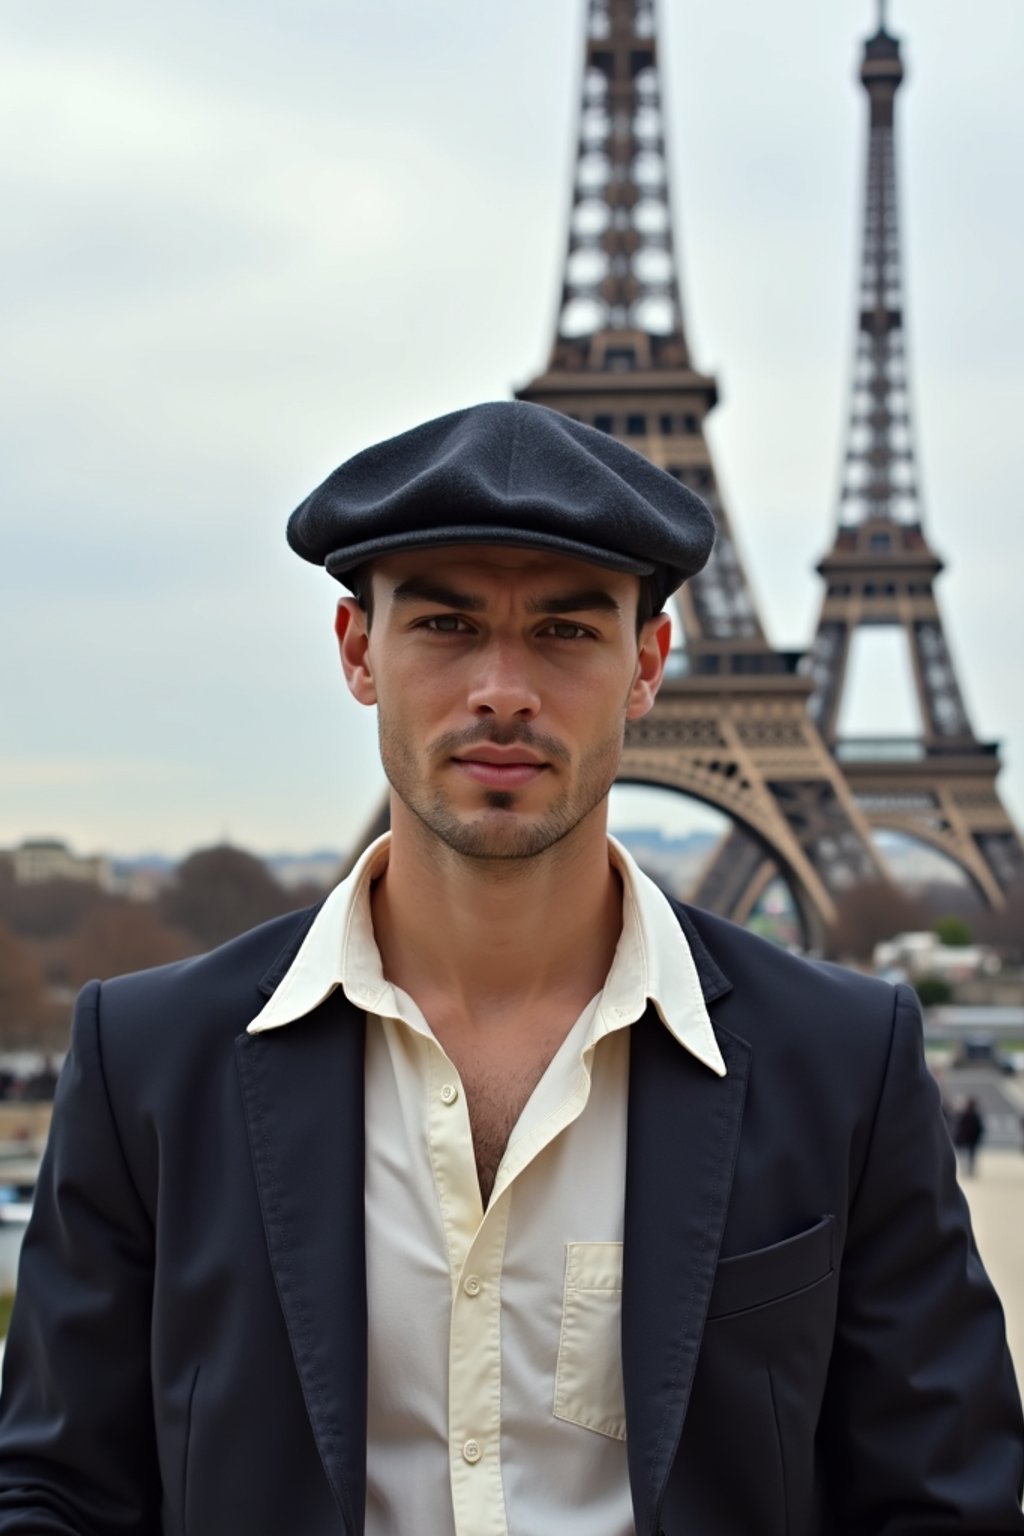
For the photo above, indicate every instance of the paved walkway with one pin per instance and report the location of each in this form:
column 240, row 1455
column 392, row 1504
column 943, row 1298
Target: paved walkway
column 996, row 1197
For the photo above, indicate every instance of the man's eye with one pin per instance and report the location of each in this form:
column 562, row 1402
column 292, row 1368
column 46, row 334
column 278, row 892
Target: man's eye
column 445, row 624
column 564, row 630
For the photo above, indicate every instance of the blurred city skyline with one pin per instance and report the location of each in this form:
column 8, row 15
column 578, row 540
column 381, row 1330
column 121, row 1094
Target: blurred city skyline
column 240, row 246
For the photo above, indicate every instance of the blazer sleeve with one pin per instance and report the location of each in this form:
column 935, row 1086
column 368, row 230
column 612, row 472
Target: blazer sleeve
column 77, row 1439
column 922, row 1421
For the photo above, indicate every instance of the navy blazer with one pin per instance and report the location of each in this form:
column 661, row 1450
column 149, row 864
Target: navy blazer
column 810, row 1344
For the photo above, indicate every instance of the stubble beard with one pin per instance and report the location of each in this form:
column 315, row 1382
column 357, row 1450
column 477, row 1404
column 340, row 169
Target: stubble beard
column 502, row 831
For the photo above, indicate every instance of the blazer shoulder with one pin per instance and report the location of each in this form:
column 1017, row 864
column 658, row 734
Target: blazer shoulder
column 161, row 1046
column 768, row 983
column 223, row 988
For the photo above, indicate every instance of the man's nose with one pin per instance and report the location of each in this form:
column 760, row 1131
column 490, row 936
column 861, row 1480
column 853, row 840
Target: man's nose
column 503, row 684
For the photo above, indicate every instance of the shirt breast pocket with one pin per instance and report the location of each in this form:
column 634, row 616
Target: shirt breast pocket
column 588, row 1377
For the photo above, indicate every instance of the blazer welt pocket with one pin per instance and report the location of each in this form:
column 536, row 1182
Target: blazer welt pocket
column 753, row 1279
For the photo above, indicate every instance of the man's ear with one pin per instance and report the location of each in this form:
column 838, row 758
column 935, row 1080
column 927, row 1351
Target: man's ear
column 652, row 653
column 353, row 648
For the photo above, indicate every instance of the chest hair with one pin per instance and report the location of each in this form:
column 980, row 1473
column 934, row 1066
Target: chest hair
column 496, row 1095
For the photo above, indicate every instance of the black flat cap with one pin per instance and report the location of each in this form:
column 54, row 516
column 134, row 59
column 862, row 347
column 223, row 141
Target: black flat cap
column 506, row 473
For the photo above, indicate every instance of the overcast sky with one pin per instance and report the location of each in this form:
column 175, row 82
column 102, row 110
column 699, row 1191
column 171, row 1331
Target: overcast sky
column 240, row 242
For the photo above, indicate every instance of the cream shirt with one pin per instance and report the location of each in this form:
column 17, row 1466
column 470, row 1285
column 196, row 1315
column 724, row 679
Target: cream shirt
column 495, row 1402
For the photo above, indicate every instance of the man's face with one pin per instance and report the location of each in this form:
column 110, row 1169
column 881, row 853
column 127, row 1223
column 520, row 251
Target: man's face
column 503, row 679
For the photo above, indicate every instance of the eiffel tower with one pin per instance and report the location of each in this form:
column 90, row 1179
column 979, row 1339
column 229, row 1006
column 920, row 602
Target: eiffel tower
column 938, row 786
column 731, row 725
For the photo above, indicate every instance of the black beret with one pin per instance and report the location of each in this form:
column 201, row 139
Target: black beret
column 507, row 473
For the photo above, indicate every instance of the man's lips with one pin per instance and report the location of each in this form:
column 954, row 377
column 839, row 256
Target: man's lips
column 500, row 768
column 490, row 752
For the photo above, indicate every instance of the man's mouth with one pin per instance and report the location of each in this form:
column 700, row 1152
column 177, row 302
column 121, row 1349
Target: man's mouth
column 500, row 767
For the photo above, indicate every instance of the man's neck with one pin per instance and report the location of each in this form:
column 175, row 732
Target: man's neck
column 498, row 939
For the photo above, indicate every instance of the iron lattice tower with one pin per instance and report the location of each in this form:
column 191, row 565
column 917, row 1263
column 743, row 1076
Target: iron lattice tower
column 939, row 787
column 731, row 725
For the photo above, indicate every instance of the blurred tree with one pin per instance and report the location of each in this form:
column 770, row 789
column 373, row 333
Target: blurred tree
column 220, row 892
column 22, row 993
column 868, row 914
column 122, row 936
column 49, row 909
column 933, row 991
column 305, row 895
column 954, row 932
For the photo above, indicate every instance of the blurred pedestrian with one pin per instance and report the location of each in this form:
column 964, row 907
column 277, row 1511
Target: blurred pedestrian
column 968, row 1134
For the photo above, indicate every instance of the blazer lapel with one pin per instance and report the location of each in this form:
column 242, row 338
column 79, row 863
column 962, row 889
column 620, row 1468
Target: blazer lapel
column 683, row 1137
column 302, row 1088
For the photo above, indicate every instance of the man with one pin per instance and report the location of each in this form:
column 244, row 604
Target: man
column 501, row 1194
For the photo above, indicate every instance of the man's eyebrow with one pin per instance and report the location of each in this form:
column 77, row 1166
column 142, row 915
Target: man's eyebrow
column 590, row 600
column 417, row 589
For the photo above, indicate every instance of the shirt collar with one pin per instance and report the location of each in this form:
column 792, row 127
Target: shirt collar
column 652, row 963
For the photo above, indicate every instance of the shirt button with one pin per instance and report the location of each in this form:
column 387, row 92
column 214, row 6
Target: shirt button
column 471, row 1451
column 472, row 1285
column 449, row 1093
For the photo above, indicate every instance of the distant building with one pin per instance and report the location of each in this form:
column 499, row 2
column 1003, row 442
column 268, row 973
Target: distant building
column 140, row 879
column 914, row 955
column 323, row 868
column 43, row 859
column 675, row 862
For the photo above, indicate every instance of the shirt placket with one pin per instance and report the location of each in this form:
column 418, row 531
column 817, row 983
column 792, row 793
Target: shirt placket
column 475, row 1242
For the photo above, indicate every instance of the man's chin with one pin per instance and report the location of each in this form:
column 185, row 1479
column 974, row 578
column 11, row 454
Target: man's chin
column 500, row 831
